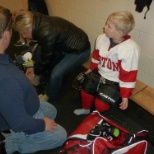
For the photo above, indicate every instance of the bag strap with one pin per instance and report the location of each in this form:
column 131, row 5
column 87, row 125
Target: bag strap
column 75, row 138
column 139, row 136
column 76, row 146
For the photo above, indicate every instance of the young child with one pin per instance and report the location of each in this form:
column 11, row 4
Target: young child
column 115, row 59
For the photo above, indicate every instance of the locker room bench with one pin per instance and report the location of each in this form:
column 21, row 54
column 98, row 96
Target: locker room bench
column 144, row 96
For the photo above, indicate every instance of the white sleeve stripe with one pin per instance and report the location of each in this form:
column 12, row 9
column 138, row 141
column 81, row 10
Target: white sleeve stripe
column 94, row 61
column 127, row 84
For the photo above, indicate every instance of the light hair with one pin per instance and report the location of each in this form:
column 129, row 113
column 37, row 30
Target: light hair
column 5, row 20
column 23, row 21
column 123, row 20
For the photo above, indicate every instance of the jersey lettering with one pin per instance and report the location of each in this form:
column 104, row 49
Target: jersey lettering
column 106, row 62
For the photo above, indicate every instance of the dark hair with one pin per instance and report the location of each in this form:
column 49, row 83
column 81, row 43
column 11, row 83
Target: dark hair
column 5, row 20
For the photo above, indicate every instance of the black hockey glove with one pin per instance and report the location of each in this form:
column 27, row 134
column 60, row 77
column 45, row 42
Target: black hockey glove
column 78, row 81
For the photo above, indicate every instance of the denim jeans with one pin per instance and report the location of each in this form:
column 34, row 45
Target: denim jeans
column 68, row 63
column 25, row 143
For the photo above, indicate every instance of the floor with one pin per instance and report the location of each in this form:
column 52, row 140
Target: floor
column 133, row 119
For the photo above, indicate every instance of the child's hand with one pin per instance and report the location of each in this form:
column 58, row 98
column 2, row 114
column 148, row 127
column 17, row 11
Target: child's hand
column 88, row 71
column 124, row 104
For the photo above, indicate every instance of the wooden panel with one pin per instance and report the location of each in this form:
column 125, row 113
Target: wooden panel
column 139, row 86
column 145, row 99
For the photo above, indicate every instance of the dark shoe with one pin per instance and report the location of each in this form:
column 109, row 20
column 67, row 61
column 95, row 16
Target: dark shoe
column 20, row 43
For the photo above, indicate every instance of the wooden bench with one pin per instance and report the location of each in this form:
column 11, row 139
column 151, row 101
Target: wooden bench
column 145, row 98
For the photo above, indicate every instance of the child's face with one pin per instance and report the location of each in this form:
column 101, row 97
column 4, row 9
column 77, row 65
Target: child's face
column 111, row 31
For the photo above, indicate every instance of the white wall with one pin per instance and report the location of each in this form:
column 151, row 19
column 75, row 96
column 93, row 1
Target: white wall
column 90, row 15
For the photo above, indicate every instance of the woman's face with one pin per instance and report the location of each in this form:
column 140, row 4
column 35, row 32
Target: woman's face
column 27, row 34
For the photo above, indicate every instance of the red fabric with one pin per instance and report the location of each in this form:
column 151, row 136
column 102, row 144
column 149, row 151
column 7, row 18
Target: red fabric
column 87, row 100
column 95, row 56
column 125, row 92
column 138, row 149
column 75, row 147
column 101, row 106
column 127, row 76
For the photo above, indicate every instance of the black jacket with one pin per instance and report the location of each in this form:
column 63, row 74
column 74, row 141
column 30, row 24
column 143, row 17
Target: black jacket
column 56, row 34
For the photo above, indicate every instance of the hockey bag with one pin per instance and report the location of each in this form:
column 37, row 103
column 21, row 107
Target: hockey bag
column 99, row 135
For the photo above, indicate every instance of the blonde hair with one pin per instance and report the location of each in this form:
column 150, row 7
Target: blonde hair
column 23, row 20
column 123, row 20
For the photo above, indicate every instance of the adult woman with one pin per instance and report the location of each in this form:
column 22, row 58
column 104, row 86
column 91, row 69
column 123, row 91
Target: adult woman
column 63, row 47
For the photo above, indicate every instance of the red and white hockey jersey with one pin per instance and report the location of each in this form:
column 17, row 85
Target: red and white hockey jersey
column 118, row 63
